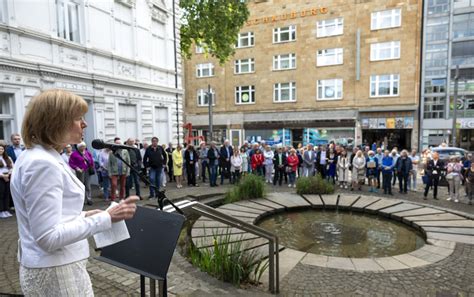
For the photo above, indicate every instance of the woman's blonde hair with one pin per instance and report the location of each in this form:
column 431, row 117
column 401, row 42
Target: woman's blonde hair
column 48, row 117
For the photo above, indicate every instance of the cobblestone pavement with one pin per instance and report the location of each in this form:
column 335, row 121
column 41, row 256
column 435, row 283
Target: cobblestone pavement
column 450, row 277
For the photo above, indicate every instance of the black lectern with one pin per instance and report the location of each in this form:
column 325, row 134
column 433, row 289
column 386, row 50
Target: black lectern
column 148, row 252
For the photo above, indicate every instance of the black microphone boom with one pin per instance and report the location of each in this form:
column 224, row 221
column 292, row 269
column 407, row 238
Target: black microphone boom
column 99, row 144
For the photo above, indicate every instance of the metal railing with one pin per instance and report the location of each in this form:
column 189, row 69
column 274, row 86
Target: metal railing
column 273, row 247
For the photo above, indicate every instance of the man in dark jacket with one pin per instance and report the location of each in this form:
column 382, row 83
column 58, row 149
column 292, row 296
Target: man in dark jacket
column 154, row 159
column 191, row 158
column 403, row 169
column 136, row 162
column 225, row 153
column 434, row 168
column 14, row 150
column 279, row 163
column 213, row 156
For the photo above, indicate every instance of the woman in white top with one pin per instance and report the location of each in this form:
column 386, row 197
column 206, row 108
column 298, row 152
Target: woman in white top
column 48, row 197
column 358, row 170
column 245, row 161
column 343, row 169
column 236, row 166
column 6, row 165
column 268, row 162
column 67, row 153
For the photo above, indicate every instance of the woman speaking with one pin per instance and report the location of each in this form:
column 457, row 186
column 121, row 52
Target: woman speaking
column 48, row 197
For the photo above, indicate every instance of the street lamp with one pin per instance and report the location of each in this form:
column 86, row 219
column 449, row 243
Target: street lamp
column 210, row 100
column 455, row 98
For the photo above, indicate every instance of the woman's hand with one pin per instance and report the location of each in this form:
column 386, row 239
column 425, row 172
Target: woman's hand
column 125, row 210
column 92, row 212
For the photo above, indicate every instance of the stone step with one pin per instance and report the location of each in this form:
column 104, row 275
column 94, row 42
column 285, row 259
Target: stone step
column 400, row 208
column 330, row 201
column 243, row 209
column 268, row 203
column 252, row 205
column 435, row 217
column 460, row 231
column 451, row 237
column 381, row 204
column 201, row 242
column 460, row 223
column 314, row 200
column 288, row 260
column 364, row 201
column 346, row 200
column 203, row 232
column 419, row 212
column 288, row 200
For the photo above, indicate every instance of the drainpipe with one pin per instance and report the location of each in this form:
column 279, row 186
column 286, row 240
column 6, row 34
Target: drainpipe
column 176, row 69
column 421, row 92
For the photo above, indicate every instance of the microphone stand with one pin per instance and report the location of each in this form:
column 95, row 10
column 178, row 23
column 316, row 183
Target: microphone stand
column 162, row 197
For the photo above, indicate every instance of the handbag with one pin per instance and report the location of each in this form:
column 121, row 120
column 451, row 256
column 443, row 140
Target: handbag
column 443, row 182
column 288, row 169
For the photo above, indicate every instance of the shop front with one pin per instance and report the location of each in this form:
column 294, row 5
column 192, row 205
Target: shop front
column 465, row 136
column 396, row 130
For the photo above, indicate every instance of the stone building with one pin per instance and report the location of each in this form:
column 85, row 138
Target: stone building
column 303, row 71
column 119, row 55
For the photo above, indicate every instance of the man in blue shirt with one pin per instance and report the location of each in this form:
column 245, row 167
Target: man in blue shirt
column 15, row 149
column 387, row 169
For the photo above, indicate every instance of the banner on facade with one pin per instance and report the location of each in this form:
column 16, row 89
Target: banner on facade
column 387, row 123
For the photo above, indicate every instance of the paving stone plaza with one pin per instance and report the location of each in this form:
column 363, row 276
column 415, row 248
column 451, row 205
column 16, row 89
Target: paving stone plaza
column 442, row 267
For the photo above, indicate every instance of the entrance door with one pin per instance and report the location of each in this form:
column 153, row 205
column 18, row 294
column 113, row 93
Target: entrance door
column 297, row 137
column 236, row 138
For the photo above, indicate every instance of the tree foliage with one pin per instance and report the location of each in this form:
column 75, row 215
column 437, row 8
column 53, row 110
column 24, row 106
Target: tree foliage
column 213, row 24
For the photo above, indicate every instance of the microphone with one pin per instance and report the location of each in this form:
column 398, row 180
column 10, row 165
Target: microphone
column 99, row 144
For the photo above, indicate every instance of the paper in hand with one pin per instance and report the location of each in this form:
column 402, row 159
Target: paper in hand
column 117, row 233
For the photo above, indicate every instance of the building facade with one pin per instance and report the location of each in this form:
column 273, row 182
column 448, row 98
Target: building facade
column 448, row 42
column 343, row 71
column 118, row 55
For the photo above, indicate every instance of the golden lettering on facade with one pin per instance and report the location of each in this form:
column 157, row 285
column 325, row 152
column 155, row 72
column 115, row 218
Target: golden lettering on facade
column 286, row 16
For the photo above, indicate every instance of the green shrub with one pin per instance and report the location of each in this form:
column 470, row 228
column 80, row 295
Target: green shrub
column 226, row 261
column 313, row 185
column 250, row 187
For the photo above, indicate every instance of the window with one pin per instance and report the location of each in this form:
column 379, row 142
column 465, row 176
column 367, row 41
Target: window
column 127, row 120
column 463, row 25
column 199, row 49
column 330, row 89
column 330, row 27
column 244, row 66
column 435, row 86
column 436, row 55
column 123, row 21
column 463, row 3
column 202, row 98
column 68, row 20
column 437, row 29
column 384, row 85
column 284, row 92
column 463, row 53
column 204, row 70
column 245, row 40
column 162, row 125
column 434, row 107
column 282, row 62
column 6, row 115
column 244, row 94
column 385, row 51
column 331, row 56
column 284, row 34
column 3, row 12
column 438, row 6
column 386, row 19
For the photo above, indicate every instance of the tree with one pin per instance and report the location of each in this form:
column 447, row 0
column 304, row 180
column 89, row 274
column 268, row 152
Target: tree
column 212, row 24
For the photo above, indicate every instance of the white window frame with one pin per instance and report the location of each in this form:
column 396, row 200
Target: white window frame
column 199, row 49
column 375, row 80
column 377, row 48
column 278, row 59
column 279, row 87
column 3, row 11
column 239, row 91
column 201, row 93
column 376, row 19
column 204, row 66
column 250, row 36
column 323, row 57
column 291, row 30
column 250, row 62
column 336, row 83
column 323, row 25
column 63, row 22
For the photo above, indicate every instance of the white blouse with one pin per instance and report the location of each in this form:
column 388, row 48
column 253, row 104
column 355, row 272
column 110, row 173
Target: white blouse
column 4, row 169
column 48, row 201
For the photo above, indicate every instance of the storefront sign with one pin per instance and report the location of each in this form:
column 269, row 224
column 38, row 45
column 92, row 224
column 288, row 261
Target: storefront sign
column 387, row 123
column 287, row 16
column 271, row 137
column 465, row 123
column 324, row 136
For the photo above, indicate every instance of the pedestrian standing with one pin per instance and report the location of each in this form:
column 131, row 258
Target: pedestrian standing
column 225, row 153
column 191, row 157
column 331, row 165
column 257, row 163
column 343, row 169
column 236, row 166
column 358, row 171
column 15, row 149
column 203, row 160
column 403, row 168
column 6, row 166
column 136, row 162
column 279, row 164
column 470, row 183
column 372, row 164
column 415, row 160
column 169, row 152
column 309, row 160
column 118, row 171
column 82, row 163
column 321, row 160
column 379, row 156
column 177, row 156
column 154, row 159
column 245, row 161
column 434, row 169
column 268, row 156
column 454, row 171
column 395, row 157
column 67, row 153
column 387, row 170
column 292, row 165
column 104, row 171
